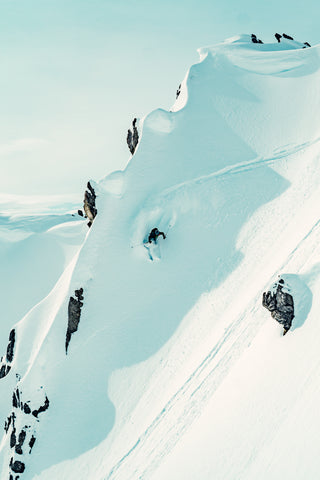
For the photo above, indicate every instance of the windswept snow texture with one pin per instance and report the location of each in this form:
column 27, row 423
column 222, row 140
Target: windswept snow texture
column 176, row 370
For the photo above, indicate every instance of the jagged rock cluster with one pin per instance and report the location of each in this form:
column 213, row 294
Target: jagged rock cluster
column 254, row 39
column 22, row 439
column 133, row 137
column 280, row 304
column 89, row 204
column 5, row 365
column 74, row 313
column 178, row 91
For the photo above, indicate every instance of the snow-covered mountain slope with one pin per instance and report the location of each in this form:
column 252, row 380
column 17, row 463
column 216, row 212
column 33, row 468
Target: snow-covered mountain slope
column 176, row 370
column 34, row 232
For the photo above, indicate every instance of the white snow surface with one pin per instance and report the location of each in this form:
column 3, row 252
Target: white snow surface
column 38, row 238
column 176, row 370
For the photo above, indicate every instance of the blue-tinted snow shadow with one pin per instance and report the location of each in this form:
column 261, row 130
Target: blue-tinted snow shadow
column 138, row 304
column 302, row 296
column 143, row 302
column 36, row 223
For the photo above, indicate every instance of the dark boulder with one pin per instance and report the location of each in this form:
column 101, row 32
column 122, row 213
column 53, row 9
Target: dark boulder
column 17, row 466
column 21, row 439
column 280, row 304
column 254, row 39
column 278, row 36
column 13, row 438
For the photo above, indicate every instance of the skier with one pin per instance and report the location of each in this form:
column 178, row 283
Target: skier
column 154, row 234
column 278, row 36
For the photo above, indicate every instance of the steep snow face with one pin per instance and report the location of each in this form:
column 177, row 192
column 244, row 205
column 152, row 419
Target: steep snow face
column 35, row 232
column 231, row 176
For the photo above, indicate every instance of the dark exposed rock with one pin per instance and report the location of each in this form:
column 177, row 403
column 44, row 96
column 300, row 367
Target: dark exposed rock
column 74, row 313
column 129, row 141
column 4, row 370
column 32, row 442
column 10, row 348
column 26, row 408
column 21, row 439
column 278, row 36
column 15, row 399
column 133, row 137
column 4, row 367
column 80, row 212
column 254, row 39
column 17, row 466
column 307, row 44
column 178, row 91
column 280, row 304
column 287, row 36
column 42, row 408
column 89, row 204
column 13, row 438
column 7, row 424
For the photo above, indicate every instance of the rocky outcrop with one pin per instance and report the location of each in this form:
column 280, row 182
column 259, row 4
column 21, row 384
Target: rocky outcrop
column 254, row 39
column 133, row 137
column 21, row 439
column 42, row 408
column 22, row 433
column 178, row 91
column 17, row 466
column 32, row 441
column 5, row 365
column 89, row 204
column 10, row 348
column 280, row 304
column 74, row 313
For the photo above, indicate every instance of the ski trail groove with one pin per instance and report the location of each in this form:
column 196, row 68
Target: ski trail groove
column 188, row 402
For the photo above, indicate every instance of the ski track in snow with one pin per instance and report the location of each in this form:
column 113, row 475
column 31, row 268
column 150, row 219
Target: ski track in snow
column 258, row 162
column 188, row 402
column 242, row 111
column 190, row 399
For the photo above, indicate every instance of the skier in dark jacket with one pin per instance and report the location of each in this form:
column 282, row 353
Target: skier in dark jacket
column 154, row 234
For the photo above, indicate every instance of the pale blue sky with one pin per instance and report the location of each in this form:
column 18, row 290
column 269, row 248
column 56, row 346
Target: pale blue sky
column 74, row 73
